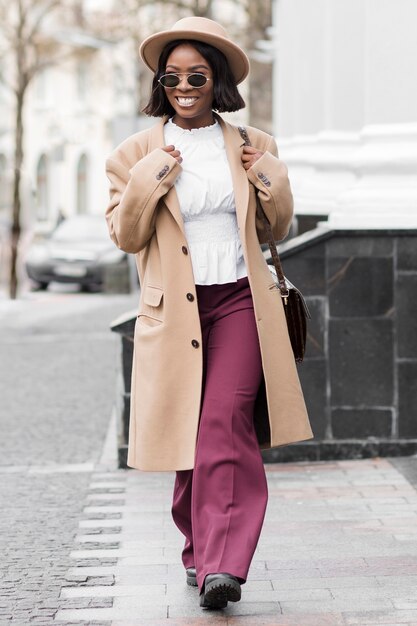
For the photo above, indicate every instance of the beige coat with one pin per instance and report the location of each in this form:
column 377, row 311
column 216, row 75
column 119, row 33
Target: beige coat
column 144, row 218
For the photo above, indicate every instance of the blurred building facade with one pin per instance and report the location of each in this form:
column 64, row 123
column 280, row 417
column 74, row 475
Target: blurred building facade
column 73, row 111
column 345, row 109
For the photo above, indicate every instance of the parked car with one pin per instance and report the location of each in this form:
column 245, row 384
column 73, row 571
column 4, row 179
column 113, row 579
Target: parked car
column 78, row 251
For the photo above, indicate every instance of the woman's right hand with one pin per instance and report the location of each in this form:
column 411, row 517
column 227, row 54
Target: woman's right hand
column 173, row 152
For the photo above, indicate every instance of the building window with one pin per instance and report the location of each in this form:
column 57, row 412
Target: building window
column 118, row 81
column 2, row 86
column 4, row 195
column 82, row 81
column 3, row 165
column 82, row 184
column 42, row 188
column 41, row 87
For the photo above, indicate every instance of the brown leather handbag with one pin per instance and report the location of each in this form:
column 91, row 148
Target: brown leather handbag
column 295, row 307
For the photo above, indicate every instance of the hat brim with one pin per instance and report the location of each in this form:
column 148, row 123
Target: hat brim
column 151, row 48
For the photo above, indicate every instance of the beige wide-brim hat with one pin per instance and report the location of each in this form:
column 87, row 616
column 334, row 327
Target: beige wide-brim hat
column 199, row 29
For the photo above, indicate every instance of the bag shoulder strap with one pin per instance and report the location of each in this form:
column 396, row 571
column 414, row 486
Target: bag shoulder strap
column 271, row 241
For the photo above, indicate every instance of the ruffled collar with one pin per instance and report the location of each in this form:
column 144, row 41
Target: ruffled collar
column 203, row 131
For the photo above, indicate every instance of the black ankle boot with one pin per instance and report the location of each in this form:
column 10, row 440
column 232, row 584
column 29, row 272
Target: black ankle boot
column 191, row 576
column 218, row 590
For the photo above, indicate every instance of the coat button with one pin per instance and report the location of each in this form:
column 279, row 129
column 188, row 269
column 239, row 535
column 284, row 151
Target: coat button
column 195, row 343
column 190, row 297
column 184, row 249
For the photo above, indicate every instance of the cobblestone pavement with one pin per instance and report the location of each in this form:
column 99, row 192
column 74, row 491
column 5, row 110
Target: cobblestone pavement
column 57, row 384
column 84, row 543
column 57, row 376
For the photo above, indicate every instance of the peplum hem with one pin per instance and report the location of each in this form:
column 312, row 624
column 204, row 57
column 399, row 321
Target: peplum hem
column 217, row 262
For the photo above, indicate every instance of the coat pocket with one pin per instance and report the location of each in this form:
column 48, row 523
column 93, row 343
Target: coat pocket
column 151, row 312
column 152, row 296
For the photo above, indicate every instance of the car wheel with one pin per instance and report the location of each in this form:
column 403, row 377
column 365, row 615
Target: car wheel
column 39, row 286
column 90, row 288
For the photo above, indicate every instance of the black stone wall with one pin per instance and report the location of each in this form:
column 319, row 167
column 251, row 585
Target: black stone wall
column 360, row 372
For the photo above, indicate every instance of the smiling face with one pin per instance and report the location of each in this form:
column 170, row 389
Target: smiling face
column 192, row 105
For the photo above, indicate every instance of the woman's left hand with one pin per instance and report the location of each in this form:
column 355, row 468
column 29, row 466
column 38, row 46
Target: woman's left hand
column 249, row 156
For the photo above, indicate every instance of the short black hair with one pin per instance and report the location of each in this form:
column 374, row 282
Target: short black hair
column 226, row 97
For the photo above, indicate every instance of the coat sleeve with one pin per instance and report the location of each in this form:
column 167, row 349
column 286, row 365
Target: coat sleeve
column 270, row 177
column 134, row 196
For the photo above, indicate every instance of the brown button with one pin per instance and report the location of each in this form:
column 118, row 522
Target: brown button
column 195, row 343
column 184, row 249
column 190, row 297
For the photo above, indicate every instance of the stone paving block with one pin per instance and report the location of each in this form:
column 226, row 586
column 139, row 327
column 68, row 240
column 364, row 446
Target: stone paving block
column 287, row 595
column 119, row 523
column 327, row 583
column 96, row 538
column 119, row 612
column 391, row 624
column 207, row 619
column 254, row 609
column 399, row 581
column 406, row 602
column 257, row 585
column 107, row 484
column 106, row 498
column 405, row 560
column 286, row 564
column 368, row 618
column 96, row 554
column 140, row 579
column 238, row 608
column 338, row 605
column 139, row 591
column 130, row 539
column 301, row 619
column 117, row 475
column 147, row 560
column 276, row 574
column 367, row 593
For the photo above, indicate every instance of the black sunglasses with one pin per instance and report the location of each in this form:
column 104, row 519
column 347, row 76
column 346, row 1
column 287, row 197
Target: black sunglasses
column 173, row 80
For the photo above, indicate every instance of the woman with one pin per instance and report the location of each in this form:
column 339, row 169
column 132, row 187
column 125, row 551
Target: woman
column 213, row 377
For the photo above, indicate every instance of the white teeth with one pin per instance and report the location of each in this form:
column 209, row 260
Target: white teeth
column 186, row 102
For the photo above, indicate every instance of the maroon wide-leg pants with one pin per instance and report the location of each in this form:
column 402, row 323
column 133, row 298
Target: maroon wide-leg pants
column 220, row 504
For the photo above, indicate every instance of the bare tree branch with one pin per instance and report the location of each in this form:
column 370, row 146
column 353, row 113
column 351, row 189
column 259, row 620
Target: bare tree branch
column 48, row 8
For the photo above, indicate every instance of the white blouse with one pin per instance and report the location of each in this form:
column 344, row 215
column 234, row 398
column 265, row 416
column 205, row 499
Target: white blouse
column 206, row 197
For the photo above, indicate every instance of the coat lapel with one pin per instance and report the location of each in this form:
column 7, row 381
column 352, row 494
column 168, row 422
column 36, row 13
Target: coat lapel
column 233, row 143
column 171, row 198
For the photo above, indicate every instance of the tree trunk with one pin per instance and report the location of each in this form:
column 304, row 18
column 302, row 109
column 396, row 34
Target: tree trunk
column 15, row 227
column 260, row 77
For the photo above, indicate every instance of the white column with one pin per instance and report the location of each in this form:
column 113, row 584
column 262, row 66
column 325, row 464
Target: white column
column 345, row 108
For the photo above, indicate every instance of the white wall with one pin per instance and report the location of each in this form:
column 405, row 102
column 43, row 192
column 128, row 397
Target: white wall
column 345, row 108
